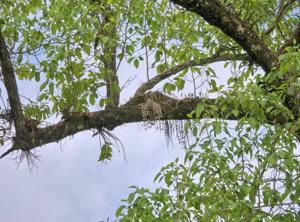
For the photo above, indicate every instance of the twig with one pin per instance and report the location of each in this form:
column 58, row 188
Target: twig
column 8, row 152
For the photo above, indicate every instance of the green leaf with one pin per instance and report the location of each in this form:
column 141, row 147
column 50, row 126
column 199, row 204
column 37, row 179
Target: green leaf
column 199, row 110
column 235, row 112
column 213, row 86
column 168, row 87
column 130, row 198
column 119, row 210
column 180, row 83
column 43, row 85
column 217, row 125
column 158, row 55
column 106, row 152
column 92, row 99
column 253, row 123
column 51, row 88
column 195, row 131
column 136, row 63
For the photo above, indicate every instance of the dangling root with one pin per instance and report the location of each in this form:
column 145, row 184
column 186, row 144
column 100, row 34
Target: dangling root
column 109, row 138
column 30, row 156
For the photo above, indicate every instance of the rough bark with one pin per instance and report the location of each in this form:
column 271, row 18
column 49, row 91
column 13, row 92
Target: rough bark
column 172, row 109
column 109, row 119
column 131, row 112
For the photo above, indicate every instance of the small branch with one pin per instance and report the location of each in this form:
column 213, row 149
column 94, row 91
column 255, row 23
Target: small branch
column 11, row 84
column 295, row 37
column 275, row 205
column 176, row 69
column 127, row 83
column 107, row 28
column 146, row 50
column 7, row 116
column 110, row 64
column 282, row 9
column 9, row 151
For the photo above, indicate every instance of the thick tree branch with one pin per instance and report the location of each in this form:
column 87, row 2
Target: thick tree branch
column 11, row 85
column 176, row 69
column 294, row 38
column 172, row 109
column 217, row 14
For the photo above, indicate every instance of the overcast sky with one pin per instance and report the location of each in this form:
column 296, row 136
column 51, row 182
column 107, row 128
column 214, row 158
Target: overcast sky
column 69, row 184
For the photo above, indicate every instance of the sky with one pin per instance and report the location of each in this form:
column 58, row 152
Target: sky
column 69, row 184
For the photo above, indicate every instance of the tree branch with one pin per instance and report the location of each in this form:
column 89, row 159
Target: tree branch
column 11, row 85
column 176, row 69
column 9, row 151
column 108, row 29
column 132, row 111
column 224, row 18
column 172, row 109
column 295, row 37
column 283, row 7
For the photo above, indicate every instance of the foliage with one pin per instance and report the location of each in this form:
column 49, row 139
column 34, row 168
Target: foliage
column 243, row 161
column 250, row 176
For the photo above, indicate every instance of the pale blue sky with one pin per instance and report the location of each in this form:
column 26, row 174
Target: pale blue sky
column 69, row 184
